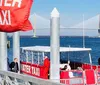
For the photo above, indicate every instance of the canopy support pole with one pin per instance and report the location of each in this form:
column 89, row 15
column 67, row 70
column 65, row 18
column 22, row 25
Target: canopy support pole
column 90, row 60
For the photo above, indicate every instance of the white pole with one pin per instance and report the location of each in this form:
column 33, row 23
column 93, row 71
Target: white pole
column 83, row 33
column 54, row 55
column 3, row 51
column 16, row 47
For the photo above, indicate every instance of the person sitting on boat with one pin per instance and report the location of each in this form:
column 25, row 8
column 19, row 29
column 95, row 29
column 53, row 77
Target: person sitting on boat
column 68, row 67
column 46, row 66
column 79, row 68
column 65, row 67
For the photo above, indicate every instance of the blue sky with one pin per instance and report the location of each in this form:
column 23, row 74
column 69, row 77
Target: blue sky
column 70, row 10
column 71, row 14
column 66, row 6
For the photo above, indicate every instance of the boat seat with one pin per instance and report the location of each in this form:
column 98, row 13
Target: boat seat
column 86, row 66
column 64, row 77
column 90, row 76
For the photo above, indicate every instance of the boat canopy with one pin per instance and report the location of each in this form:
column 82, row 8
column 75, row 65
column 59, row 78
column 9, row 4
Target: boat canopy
column 47, row 49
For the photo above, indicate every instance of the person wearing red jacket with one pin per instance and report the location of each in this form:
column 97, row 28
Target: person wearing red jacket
column 46, row 66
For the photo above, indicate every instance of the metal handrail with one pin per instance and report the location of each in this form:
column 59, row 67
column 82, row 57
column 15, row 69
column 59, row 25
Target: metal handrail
column 29, row 79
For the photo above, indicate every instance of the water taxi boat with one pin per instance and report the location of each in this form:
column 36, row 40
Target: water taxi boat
column 82, row 71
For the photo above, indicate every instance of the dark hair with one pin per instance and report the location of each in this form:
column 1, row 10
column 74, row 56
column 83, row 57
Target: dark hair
column 65, row 67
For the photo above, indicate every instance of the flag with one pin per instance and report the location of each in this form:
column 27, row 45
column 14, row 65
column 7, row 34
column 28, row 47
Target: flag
column 14, row 15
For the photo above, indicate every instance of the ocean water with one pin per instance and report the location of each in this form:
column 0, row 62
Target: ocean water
column 90, row 42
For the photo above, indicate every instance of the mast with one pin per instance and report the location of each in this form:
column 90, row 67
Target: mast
column 34, row 30
column 83, row 33
column 99, row 26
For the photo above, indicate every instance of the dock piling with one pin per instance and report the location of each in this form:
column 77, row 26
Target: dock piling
column 54, row 55
column 3, row 51
column 16, row 46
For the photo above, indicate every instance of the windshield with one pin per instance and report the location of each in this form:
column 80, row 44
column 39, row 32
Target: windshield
column 75, row 56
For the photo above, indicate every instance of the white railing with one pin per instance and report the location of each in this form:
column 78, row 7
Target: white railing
column 10, row 78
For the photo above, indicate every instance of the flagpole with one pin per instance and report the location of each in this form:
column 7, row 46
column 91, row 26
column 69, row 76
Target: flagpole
column 83, row 33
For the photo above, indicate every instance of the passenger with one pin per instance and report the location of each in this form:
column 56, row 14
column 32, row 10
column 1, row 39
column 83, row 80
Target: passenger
column 68, row 67
column 79, row 68
column 46, row 66
column 14, row 65
column 65, row 68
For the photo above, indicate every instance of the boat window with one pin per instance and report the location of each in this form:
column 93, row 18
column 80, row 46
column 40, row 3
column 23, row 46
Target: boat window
column 29, row 56
column 35, row 57
column 23, row 55
column 40, row 58
column 47, row 54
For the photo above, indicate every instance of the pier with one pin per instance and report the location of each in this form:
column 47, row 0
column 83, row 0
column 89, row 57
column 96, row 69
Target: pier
column 9, row 78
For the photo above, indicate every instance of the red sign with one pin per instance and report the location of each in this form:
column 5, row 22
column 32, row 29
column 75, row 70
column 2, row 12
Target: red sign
column 34, row 70
column 14, row 15
column 30, row 69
